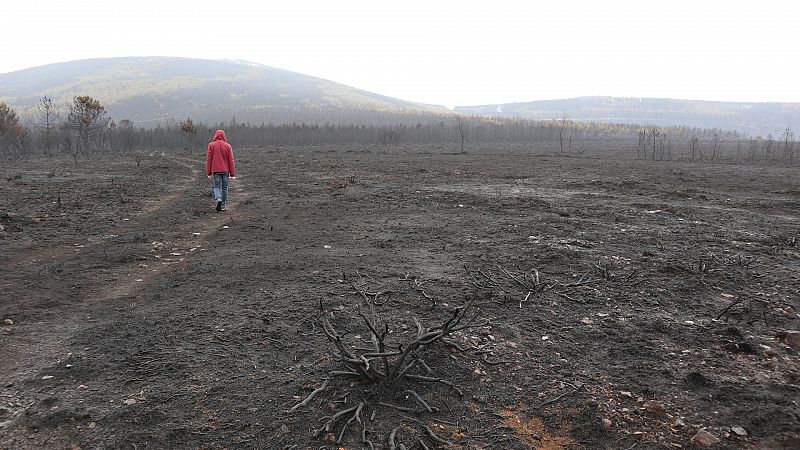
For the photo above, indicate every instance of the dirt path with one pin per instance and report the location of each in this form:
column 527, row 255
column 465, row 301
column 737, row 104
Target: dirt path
column 97, row 290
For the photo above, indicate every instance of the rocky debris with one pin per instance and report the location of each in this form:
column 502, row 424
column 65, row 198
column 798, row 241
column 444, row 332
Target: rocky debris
column 740, row 347
column 696, row 379
column 739, row 431
column 705, row 438
column 791, row 338
column 655, row 407
column 768, row 351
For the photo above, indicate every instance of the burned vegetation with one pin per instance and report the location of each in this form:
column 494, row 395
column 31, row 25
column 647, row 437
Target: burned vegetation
column 384, row 368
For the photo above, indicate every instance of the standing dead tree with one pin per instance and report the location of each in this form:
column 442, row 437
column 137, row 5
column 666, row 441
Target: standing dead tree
column 641, row 145
column 715, row 146
column 462, row 130
column 189, row 132
column 47, row 116
column 390, row 366
column 655, row 134
column 562, row 125
column 87, row 117
column 788, row 144
column 694, row 147
column 768, row 147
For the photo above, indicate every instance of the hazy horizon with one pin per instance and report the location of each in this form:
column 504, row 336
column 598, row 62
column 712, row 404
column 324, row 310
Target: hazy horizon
column 447, row 53
column 240, row 61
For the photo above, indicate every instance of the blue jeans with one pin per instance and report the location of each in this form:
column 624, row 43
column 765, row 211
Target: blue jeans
column 221, row 187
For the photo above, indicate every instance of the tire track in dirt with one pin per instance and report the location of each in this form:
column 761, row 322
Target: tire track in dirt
column 24, row 357
column 51, row 253
column 195, row 234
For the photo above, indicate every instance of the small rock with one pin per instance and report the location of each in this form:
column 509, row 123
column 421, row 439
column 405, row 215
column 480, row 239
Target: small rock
column 544, row 338
column 705, row 438
column 679, row 423
column 129, row 402
column 8, row 322
column 769, row 352
column 284, row 430
column 47, row 377
column 739, row 431
column 792, row 339
column 92, row 424
column 586, row 321
column 626, row 394
column 607, row 423
column 83, row 386
column 655, row 407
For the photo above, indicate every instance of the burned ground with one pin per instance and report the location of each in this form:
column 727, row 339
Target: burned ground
column 618, row 302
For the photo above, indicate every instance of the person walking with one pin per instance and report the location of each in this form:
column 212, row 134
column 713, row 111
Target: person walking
column 221, row 167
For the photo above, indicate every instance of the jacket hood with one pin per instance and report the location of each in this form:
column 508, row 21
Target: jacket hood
column 220, row 136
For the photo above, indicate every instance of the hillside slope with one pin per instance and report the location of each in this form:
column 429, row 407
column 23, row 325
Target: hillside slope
column 155, row 88
column 751, row 118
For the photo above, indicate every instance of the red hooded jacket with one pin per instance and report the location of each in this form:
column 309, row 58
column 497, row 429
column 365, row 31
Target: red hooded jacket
column 220, row 155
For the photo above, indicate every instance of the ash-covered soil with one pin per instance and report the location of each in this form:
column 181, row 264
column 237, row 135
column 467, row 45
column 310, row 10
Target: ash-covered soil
column 618, row 303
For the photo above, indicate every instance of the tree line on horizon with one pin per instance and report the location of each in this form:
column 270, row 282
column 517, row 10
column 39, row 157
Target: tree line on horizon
column 82, row 128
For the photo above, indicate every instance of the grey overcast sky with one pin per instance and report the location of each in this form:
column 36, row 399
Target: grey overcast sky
column 447, row 52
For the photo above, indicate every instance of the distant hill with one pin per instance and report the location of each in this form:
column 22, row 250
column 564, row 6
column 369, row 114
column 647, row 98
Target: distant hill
column 149, row 89
column 752, row 118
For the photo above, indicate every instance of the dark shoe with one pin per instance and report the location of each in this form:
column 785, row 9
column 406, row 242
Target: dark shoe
column 219, row 205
